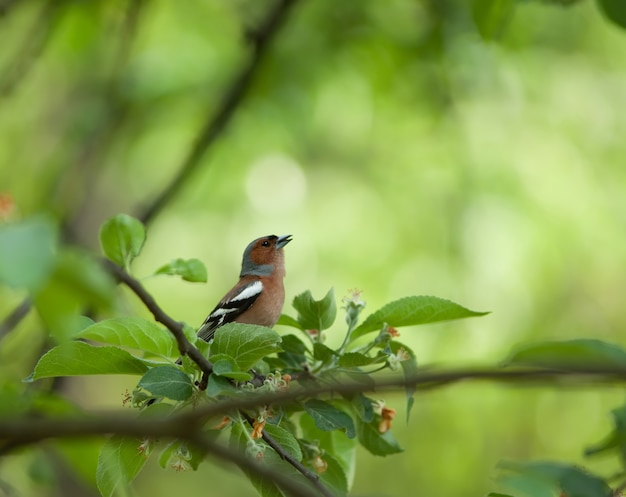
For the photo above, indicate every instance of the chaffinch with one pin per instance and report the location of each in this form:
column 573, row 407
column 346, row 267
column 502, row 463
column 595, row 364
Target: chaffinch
column 258, row 296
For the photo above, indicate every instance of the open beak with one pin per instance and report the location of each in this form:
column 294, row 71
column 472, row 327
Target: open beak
column 282, row 241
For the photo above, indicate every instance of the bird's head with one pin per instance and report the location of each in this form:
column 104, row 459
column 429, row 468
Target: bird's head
column 264, row 255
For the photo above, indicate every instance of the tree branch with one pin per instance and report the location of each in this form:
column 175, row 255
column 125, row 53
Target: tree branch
column 29, row 431
column 285, row 456
column 188, row 425
column 33, row 45
column 175, row 327
column 261, row 37
column 15, row 316
column 185, row 424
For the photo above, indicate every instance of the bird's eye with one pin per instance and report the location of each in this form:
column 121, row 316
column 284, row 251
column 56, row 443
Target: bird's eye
column 265, row 243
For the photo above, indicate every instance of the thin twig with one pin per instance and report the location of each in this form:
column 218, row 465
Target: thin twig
column 216, row 124
column 185, row 347
column 285, row 456
column 15, row 316
column 33, row 45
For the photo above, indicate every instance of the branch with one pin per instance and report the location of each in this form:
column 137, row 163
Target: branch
column 33, row 45
column 285, row 456
column 15, row 316
column 24, row 431
column 175, row 327
column 426, row 379
column 34, row 430
column 261, row 38
column 184, row 425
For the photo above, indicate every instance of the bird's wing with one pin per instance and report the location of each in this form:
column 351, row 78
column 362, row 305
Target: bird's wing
column 235, row 303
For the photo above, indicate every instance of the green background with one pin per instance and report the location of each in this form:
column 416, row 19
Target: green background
column 405, row 153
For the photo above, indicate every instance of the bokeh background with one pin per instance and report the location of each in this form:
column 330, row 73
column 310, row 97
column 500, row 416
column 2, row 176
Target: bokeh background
column 404, row 152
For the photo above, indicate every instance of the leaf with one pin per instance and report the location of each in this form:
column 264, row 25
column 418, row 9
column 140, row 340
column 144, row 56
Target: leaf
column 342, row 448
column 245, row 343
column 119, row 463
column 614, row 10
column 286, row 440
column 181, row 455
column 122, row 238
column 570, row 480
column 379, row 444
column 264, row 485
column 192, row 270
column 356, row 359
column 315, row 314
column 219, row 385
column 363, row 407
column 409, row 368
column 323, row 353
column 285, row 320
column 167, row 381
column 134, row 333
column 411, row 311
column 27, row 252
column 334, row 477
column 293, row 353
column 78, row 281
column 617, row 439
column 583, row 352
column 328, row 418
column 492, row 16
column 79, row 358
column 224, row 365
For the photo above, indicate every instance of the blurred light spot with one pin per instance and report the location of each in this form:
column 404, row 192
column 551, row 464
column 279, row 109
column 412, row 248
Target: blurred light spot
column 275, row 183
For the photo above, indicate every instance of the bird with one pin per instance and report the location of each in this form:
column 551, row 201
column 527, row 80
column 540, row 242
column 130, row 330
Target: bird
column 259, row 295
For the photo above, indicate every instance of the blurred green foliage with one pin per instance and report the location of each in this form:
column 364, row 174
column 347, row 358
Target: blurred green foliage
column 405, row 153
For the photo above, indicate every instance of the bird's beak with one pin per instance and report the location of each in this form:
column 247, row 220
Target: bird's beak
column 282, row 241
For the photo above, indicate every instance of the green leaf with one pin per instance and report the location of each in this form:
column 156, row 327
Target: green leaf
column 411, row 311
column 617, row 439
column 363, row 407
column 334, row 478
column 122, row 238
column 78, row 281
column 119, row 463
column 323, row 353
column 192, row 270
column 286, row 440
column 181, row 455
column 219, row 385
column 409, row 368
column 134, row 333
column 570, row 480
column 342, row 448
column 379, row 444
column 293, row 353
column 79, row 358
column 492, row 16
column 264, row 486
column 224, row 365
column 356, row 359
column 328, row 418
column 27, row 252
column 569, row 354
column 289, row 321
column 316, row 314
column 498, row 494
column 245, row 343
column 167, row 381
column 614, row 10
